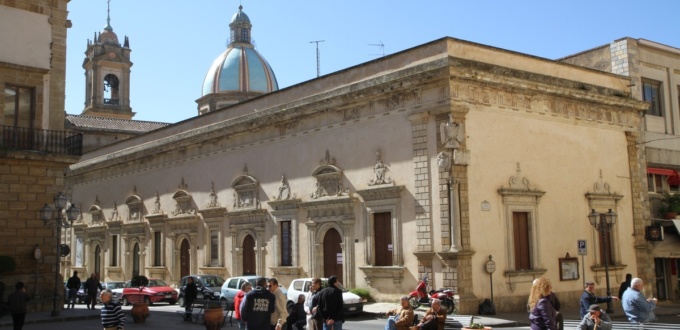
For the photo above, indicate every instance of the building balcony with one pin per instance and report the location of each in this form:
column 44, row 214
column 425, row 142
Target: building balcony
column 27, row 139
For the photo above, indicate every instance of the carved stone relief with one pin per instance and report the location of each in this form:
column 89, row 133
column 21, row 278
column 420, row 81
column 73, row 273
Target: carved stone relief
column 183, row 203
column 284, row 190
column 452, row 133
column 246, row 191
column 134, row 204
column 212, row 200
column 157, row 205
column 114, row 213
column 379, row 172
column 443, row 162
column 328, row 179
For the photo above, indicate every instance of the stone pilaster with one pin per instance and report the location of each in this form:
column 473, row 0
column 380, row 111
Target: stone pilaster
column 421, row 166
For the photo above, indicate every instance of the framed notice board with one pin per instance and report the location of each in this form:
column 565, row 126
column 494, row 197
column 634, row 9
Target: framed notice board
column 569, row 269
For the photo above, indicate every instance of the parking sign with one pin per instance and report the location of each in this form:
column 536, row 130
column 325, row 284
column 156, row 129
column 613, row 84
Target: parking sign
column 582, row 250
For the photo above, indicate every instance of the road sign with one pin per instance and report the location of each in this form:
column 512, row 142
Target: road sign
column 582, row 250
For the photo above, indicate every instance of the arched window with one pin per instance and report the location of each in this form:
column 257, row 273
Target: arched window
column 111, row 85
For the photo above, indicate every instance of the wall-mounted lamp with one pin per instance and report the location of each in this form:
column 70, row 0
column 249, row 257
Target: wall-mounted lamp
column 37, row 254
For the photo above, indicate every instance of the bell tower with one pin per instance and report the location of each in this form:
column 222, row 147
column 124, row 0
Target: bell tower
column 107, row 75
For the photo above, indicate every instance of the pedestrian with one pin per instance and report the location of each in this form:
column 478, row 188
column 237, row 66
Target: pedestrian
column 595, row 319
column 280, row 313
column 112, row 315
column 588, row 298
column 296, row 313
column 559, row 318
column 73, row 285
column 190, row 294
column 314, row 321
column 92, row 286
column 17, row 304
column 637, row 307
column 257, row 306
column 434, row 318
column 542, row 315
column 625, row 285
column 238, row 299
column 400, row 318
column 331, row 306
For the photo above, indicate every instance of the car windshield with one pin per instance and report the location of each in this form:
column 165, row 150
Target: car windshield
column 212, row 281
column 156, row 283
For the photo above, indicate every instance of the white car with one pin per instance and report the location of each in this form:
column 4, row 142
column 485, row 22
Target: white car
column 353, row 304
column 117, row 292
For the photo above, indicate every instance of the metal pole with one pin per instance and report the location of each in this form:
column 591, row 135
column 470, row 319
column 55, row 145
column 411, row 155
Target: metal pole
column 605, row 231
column 491, row 283
column 55, row 311
column 583, row 271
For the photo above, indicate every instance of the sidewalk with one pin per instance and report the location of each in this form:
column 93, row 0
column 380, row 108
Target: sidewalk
column 378, row 309
column 515, row 319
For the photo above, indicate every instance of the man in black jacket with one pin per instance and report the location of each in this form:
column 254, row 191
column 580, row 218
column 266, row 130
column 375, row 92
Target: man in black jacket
column 257, row 306
column 92, row 285
column 73, row 285
column 331, row 306
column 190, row 294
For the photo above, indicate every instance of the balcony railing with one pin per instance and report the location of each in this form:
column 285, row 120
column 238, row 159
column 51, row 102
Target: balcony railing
column 55, row 142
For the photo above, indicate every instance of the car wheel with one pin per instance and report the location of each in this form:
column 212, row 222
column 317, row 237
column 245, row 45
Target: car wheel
column 147, row 300
column 125, row 301
column 182, row 302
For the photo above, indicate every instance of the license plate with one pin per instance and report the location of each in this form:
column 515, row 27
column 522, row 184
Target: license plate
column 168, row 296
column 352, row 309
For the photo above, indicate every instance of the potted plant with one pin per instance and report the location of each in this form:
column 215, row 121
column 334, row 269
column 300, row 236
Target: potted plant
column 671, row 205
column 140, row 308
column 213, row 316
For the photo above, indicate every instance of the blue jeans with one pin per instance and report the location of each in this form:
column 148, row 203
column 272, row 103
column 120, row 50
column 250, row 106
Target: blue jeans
column 335, row 326
column 241, row 325
column 390, row 325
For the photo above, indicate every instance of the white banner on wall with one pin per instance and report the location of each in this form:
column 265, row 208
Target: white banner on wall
column 79, row 252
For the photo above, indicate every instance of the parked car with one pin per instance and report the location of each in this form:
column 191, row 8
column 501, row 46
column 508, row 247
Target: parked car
column 353, row 304
column 232, row 285
column 117, row 293
column 156, row 291
column 114, row 285
column 208, row 287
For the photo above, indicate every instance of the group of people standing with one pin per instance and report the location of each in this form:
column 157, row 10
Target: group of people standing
column 544, row 306
column 91, row 288
column 264, row 307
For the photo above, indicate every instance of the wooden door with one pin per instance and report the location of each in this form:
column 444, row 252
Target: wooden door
column 332, row 255
column 135, row 260
column 249, row 256
column 382, row 234
column 184, row 259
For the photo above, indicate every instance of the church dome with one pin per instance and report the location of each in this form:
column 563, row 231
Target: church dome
column 240, row 68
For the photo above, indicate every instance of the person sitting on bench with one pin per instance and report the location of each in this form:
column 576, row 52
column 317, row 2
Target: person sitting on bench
column 296, row 313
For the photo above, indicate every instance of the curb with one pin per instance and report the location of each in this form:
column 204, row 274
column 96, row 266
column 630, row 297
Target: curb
column 52, row 320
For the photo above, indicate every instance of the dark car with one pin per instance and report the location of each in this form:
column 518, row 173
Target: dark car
column 208, row 287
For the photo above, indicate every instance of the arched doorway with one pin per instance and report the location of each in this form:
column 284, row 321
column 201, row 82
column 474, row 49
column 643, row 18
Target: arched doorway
column 332, row 255
column 135, row 260
column 184, row 259
column 248, row 255
column 98, row 262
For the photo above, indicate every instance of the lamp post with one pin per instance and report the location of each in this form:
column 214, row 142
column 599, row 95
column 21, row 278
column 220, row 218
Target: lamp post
column 64, row 218
column 603, row 223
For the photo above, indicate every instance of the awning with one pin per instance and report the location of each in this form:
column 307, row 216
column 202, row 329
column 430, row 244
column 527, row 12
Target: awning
column 673, row 176
column 661, row 171
column 668, row 248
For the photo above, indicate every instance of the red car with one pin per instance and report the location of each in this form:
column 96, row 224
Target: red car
column 156, row 291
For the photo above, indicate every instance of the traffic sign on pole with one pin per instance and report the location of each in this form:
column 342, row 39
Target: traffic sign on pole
column 582, row 250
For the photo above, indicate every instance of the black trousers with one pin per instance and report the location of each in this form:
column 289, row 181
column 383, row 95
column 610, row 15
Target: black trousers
column 18, row 320
column 188, row 307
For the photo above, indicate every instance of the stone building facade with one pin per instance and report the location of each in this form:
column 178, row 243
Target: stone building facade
column 427, row 162
column 654, row 73
column 34, row 148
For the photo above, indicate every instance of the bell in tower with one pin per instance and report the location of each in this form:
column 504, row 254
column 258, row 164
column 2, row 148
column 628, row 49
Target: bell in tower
column 107, row 75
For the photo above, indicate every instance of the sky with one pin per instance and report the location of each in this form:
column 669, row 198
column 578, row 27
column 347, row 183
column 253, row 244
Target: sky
column 174, row 42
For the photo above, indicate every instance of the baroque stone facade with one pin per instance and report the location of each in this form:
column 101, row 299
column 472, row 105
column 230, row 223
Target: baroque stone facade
column 422, row 163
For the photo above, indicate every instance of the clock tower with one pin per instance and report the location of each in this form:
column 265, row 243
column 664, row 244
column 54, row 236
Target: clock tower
column 107, row 75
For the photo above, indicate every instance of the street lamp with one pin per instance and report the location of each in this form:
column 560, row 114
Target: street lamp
column 603, row 223
column 47, row 215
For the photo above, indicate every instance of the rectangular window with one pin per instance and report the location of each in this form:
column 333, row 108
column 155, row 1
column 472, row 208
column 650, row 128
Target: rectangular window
column 19, row 106
column 114, row 250
column 651, row 92
column 244, row 35
column 520, row 226
column 382, row 227
column 214, row 248
column 157, row 246
column 286, row 244
column 605, row 251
